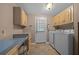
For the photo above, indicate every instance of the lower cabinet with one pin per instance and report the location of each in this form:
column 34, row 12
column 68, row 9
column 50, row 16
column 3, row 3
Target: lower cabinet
column 21, row 49
column 29, row 43
column 13, row 51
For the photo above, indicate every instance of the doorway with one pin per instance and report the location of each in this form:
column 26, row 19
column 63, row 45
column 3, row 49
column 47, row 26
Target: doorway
column 40, row 29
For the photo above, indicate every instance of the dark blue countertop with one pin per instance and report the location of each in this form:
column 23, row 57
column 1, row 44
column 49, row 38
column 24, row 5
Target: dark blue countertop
column 8, row 44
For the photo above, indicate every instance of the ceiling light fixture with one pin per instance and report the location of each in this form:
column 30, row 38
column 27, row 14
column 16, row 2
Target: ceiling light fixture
column 49, row 6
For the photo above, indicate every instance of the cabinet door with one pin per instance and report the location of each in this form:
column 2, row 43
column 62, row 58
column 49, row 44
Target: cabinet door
column 69, row 10
column 57, row 20
column 16, row 15
column 62, row 18
column 23, row 18
column 13, row 51
column 66, row 16
column 71, row 13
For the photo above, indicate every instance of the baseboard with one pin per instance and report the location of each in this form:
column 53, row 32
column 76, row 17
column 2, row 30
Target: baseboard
column 54, row 49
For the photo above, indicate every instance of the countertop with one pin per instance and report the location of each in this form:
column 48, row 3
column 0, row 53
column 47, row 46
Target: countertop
column 8, row 44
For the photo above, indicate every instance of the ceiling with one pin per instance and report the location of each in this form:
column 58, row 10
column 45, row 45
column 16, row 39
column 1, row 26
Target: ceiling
column 40, row 8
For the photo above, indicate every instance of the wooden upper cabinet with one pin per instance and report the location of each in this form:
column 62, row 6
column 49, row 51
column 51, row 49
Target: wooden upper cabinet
column 64, row 17
column 19, row 16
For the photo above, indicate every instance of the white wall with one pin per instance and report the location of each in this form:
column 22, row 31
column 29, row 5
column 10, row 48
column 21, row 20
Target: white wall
column 6, row 21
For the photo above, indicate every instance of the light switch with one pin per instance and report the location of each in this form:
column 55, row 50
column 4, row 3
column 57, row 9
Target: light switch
column 2, row 31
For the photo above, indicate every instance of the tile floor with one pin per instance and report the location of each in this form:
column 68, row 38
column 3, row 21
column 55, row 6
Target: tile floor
column 42, row 49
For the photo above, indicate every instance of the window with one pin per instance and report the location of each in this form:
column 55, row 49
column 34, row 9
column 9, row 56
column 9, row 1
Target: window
column 41, row 23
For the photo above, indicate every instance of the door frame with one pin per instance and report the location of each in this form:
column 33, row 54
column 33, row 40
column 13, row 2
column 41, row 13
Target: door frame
column 39, row 31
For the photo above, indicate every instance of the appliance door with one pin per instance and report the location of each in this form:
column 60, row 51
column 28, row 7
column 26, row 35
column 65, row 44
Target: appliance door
column 64, row 43
column 60, row 43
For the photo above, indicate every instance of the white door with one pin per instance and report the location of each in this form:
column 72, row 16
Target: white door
column 41, row 29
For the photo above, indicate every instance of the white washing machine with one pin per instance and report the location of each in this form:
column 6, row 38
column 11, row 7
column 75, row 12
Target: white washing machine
column 63, row 42
column 51, row 37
